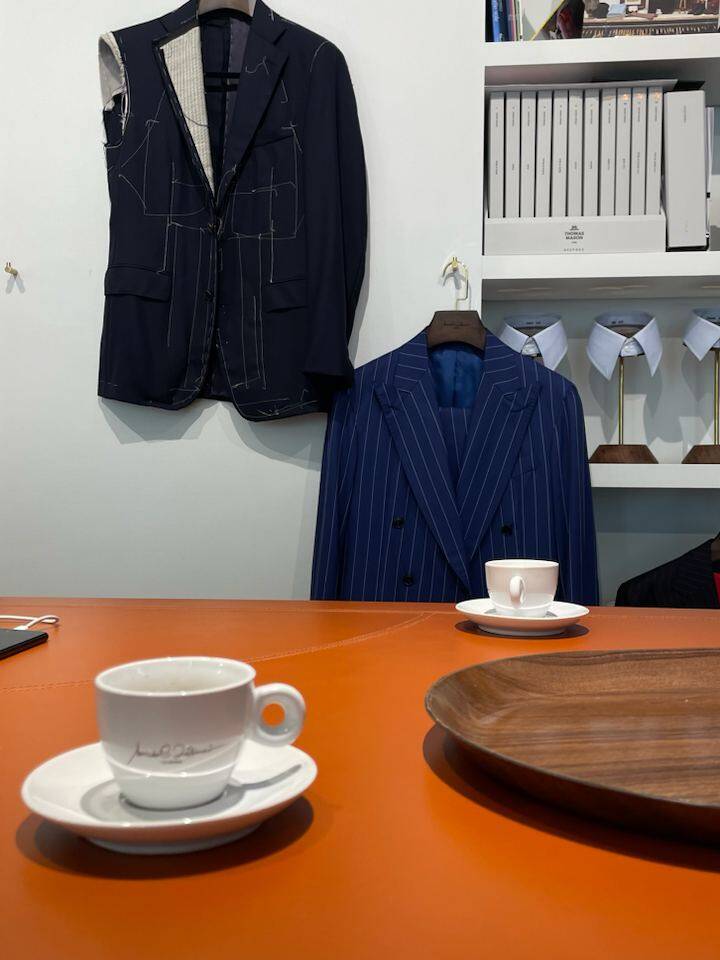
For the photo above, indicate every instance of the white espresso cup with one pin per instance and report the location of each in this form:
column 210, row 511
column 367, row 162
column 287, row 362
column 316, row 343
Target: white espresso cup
column 522, row 588
column 172, row 729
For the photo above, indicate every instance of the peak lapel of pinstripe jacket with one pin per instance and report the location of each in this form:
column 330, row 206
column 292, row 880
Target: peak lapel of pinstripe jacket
column 503, row 407
column 409, row 405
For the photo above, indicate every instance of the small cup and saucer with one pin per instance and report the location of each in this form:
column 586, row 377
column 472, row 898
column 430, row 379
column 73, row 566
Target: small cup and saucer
column 186, row 760
column 522, row 601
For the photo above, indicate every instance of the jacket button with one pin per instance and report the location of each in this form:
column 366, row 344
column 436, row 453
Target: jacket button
column 506, row 529
column 213, row 226
column 209, row 295
column 398, row 523
column 408, row 579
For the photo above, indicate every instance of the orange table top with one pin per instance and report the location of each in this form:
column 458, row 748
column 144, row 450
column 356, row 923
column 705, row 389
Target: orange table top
column 399, row 849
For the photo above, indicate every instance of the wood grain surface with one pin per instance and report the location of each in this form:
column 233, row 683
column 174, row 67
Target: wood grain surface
column 632, row 736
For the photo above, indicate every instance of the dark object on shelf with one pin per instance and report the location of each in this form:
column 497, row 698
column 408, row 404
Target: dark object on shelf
column 703, row 453
column 631, row 737
column 687, row 582
column 623, row 453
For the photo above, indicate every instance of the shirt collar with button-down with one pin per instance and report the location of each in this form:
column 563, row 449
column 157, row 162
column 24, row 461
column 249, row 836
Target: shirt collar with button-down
column 606, row 344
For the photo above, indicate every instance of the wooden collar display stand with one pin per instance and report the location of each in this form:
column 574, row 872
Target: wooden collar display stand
column 622, row 452
column 710, row 452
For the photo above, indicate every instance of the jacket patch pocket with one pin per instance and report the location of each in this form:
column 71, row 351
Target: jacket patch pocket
column 285, row 295
column 137, row 282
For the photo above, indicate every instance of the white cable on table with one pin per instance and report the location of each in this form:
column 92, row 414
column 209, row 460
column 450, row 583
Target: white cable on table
column 32, row 621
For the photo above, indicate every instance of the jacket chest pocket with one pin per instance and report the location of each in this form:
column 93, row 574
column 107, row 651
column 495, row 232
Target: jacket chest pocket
column 525, row 463
column 265, row 200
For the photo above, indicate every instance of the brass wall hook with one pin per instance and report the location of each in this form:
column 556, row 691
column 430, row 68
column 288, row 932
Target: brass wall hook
column 452, row 266
column 9, row 268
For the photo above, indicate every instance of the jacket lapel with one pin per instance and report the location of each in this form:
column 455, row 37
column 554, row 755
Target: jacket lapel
column 259, row 77
column 501, row 413
column 179, row 57
column 409, row 406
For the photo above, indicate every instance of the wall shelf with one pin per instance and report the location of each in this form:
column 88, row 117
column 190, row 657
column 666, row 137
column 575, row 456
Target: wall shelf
column 658, row 476
column 683, row 57
column 601, row 276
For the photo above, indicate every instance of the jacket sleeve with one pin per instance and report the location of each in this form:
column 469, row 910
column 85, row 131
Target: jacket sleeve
column 336, row 215
column 578, row 564
column 336, row 479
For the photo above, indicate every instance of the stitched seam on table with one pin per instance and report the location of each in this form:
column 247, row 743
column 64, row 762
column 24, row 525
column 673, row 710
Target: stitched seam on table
column 348, row 641
column 288, row 606
column 45, row 686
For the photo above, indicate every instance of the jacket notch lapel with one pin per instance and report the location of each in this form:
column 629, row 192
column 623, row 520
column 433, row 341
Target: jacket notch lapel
column 259, row 77
column 502, row 411
column 179, row 57
column 411, row 417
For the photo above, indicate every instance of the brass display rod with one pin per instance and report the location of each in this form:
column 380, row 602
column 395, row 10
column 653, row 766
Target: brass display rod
column 716, row 429
column 621, row 401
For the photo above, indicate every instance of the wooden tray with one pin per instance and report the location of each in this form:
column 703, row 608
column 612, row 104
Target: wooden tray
column 631, row 736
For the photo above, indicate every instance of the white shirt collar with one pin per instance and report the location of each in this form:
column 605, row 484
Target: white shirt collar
column 606, row 345
column 703, row 332
column 550, row 343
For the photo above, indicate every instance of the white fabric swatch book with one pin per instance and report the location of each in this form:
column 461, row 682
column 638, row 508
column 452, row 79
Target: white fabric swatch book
column 558, row 185
column 528, row 105
column 575, row 153
column 608, row 111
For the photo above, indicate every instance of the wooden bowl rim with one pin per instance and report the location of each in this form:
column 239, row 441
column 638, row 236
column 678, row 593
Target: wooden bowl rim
column 546, row 771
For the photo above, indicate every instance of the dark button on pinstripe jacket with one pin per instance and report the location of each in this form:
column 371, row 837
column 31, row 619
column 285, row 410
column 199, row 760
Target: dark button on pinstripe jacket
column 234, row 272
column 523, row 488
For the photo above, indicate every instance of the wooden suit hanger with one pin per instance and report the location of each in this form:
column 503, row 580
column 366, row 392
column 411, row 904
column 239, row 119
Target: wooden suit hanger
column 456, row 326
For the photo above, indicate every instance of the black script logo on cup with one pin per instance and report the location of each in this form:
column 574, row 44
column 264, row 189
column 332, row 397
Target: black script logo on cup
column 172, row 752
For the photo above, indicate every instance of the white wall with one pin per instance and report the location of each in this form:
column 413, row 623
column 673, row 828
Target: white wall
column 103, row 498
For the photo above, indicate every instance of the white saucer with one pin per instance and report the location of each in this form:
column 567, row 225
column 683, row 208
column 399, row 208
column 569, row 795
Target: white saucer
column 559, row 617
column 77, row 791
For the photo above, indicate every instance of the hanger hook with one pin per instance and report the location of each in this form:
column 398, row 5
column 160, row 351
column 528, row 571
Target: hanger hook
column 457, row 266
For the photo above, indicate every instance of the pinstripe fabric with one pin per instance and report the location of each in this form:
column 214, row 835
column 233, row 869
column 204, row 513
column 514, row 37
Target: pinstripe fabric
column 686, row 581
column 393, row 524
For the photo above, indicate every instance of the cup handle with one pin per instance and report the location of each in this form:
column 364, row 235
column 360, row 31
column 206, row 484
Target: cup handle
column 516, row 589
column 292, row 703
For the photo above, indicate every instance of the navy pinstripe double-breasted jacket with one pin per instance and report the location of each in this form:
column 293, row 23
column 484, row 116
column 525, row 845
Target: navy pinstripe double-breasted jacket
column 394, row 523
